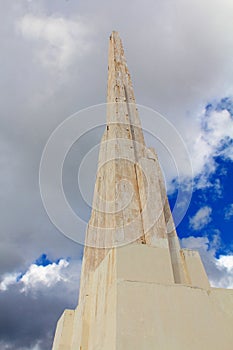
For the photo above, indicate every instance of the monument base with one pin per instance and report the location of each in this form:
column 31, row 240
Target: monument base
column 133, row 303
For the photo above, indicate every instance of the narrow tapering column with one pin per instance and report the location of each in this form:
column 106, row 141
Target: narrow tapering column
column 138, row 289
column 130, row 202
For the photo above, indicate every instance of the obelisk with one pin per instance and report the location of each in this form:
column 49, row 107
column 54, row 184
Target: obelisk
column 139, row 290
column 124, row 158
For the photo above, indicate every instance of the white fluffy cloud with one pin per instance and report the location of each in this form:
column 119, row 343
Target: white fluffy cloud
column 42, row 277
column 46, row 276
column 58, row 40
column 229, row 212
column 212, row 136
column 215, row 131
column 226, row 261
column 201, row 218
column 219, row 270
column 8, row 280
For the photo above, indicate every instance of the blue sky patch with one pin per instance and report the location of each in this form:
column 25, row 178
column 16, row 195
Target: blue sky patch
column 43, row 260
column 219, row 197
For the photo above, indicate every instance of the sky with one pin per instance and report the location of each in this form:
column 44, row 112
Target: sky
column 53, row 63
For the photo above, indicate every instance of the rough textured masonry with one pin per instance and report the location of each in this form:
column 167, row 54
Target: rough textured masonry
column 139, row 290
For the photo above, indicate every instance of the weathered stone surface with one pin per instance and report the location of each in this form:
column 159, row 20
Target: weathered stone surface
column 64, row 331
column 138, row 290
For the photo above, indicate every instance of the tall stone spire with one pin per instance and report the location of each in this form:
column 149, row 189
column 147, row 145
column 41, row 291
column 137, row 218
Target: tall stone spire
column 130, row 202
column 122, row 105
column 138, row 289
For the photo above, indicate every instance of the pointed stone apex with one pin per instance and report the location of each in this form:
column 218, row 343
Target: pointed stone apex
column 115, row 39
column 114, row 34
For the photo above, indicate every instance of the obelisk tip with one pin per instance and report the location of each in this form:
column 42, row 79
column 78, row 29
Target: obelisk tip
column 114, row 34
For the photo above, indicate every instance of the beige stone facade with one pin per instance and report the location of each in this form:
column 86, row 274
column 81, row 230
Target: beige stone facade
column 139, row 290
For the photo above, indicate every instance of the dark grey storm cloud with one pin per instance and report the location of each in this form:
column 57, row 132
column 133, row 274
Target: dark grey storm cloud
column 30, row 319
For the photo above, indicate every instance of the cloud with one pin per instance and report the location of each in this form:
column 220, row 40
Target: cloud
column 201, row 218
column 219, row 270
column 218, row 188
column 211, row 138
column 44, row 291
column 8, row 280
column 60, row 40
column 229, row 212
column 214, row 138
column 45, row 276
column 36, row 347
column 226, row 262
column 39, row 276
